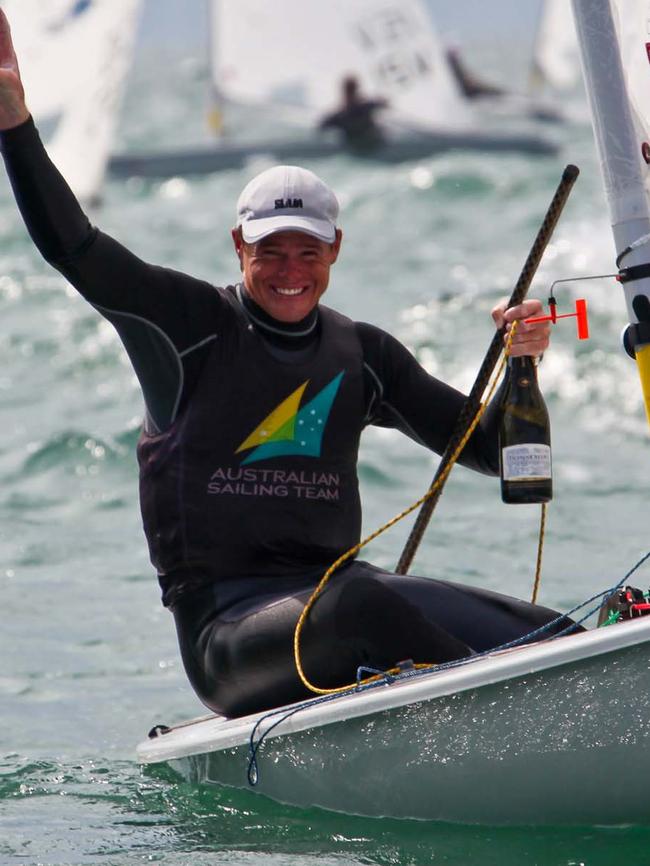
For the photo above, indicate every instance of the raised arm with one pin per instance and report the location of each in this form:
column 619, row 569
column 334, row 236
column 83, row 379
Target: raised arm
column 104, row 271
column 160, row 314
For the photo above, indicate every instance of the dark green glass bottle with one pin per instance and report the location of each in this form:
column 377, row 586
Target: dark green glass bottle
column 524, row 437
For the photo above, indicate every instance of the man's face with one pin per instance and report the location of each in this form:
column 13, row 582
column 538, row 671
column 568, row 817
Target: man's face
column 286, row 273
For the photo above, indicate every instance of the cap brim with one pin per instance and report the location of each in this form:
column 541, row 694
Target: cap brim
column 255, row 230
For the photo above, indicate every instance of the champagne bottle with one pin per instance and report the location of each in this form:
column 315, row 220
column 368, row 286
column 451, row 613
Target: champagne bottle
column 524, row 437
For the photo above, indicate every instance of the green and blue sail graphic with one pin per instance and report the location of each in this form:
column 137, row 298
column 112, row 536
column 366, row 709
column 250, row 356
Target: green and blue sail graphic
column 290, row 429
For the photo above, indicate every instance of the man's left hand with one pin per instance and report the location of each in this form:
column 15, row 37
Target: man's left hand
column 529, row 339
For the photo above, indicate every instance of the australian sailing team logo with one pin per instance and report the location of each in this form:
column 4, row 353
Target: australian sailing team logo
column 291, row 429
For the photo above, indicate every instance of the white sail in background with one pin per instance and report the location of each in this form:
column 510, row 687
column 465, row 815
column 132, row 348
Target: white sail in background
column 556, row 60
column 74, row 57
column 84, row 138
column 296, row 52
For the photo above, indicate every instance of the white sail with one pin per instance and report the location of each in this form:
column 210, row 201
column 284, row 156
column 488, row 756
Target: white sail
column 556, row 60
column 74, row 57
column 296, row 52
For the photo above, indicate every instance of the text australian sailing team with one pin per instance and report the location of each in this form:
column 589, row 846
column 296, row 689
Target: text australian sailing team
column 255, row 398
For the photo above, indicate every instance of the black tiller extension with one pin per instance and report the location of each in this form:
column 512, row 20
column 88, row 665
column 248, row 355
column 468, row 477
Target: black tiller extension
column 473, row 401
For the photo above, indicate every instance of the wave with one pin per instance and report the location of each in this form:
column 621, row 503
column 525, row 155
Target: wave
column 80, row 451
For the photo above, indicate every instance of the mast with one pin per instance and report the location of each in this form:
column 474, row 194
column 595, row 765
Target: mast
column 215, row 108
column 624, row 156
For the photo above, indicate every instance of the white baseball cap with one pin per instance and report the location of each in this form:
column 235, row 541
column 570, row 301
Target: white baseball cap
column 287, row 198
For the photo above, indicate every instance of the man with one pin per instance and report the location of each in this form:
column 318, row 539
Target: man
column 470, row 85
column 255, row 397
column 356, row 120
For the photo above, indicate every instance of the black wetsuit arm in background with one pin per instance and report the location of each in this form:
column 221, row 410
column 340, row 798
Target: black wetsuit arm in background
column 164, row 318
column 408, row 399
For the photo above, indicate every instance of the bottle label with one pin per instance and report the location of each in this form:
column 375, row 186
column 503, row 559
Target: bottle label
column 527, row 462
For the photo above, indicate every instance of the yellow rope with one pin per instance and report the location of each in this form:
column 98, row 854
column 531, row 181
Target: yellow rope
column 540, row 546
column 354, row 550
column 357, row 547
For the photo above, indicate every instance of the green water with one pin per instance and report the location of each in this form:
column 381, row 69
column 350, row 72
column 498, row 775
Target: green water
column 89, row 655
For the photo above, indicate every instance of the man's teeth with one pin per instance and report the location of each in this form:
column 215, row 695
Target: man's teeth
column 283, row 291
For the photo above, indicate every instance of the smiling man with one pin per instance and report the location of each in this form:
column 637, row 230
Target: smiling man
column 286, row 239
column 255, row 399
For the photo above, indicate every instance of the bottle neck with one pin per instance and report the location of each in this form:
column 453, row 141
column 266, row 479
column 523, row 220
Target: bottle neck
column 523, row 362
column 522, row 372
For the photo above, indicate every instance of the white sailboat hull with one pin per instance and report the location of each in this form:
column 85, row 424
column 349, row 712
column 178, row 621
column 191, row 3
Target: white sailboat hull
column 556, row 732
column 205, row 160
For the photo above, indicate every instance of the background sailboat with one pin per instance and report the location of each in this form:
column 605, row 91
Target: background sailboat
column 551, row 71
column 393, row 50
column 295, row 72
column 76, row 55
column 555, row 63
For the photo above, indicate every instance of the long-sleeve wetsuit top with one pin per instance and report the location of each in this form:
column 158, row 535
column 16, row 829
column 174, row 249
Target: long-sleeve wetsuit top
column 168, row 320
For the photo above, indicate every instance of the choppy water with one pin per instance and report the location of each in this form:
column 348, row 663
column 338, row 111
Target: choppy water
column 89, row 655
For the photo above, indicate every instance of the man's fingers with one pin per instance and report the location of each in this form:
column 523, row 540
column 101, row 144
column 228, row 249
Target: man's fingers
column 7, row 54
column 498, row 313
column 5, row 34
column 529, row 308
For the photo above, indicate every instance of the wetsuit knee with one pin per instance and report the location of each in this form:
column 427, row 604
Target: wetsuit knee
column 384, row 625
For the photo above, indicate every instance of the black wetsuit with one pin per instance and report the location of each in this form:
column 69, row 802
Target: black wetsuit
column 357, row 124
column 470, row 86
column 235, row 629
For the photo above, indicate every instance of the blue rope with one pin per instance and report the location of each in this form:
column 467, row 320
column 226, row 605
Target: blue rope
column 254, row 744
column 374, row 672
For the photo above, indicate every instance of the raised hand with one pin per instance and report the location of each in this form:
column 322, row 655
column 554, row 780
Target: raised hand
column 13, row 110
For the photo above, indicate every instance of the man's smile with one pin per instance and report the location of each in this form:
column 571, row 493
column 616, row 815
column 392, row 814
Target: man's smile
column 285, row 290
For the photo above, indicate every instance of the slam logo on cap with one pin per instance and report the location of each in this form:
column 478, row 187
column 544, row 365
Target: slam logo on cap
column 291, row 430
column 283, row 203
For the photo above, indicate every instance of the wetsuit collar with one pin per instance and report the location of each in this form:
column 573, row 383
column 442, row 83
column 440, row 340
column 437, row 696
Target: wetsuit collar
column 304, row 328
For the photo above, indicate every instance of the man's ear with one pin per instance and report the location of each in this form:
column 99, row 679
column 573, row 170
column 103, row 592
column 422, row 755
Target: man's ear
column 238, row 243
column 335, row 246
